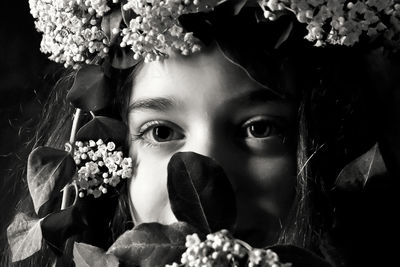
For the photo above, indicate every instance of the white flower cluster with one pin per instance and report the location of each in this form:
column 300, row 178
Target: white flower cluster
column 72, row 32
column 156, row 28
column 340, row 21
column 100, row 167
column 71, row 29
column 220, row 249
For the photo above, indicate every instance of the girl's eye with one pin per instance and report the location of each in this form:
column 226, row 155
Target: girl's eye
column 163, row 134
column 260, row 128
column 159, row 132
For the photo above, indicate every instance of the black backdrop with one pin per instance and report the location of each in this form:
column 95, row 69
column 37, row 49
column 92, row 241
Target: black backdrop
column 25, row 78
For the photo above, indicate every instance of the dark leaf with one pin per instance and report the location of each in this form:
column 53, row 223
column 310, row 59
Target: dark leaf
column 24, row 236
column 199, row 25
column 91, row 90
column 285, row 35
column 200, row 193
column 88, row 217
column 110, row 22
column 97, row 213
column 252, row 50
column 104, row 128
column 49, row 170
column 122, row 58
column 57, row 227
column 357, row 173
column 90, row 256
column 231, row 7
column 127, row 15
column 152, row 244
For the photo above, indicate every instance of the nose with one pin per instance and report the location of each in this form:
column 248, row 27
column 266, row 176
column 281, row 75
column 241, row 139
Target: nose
column 203, row 141
column 207, row 142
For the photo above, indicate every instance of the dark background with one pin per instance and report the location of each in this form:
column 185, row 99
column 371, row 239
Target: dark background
column 26, row 75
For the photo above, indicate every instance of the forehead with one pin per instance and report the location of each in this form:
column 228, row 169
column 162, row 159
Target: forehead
column 207, row 73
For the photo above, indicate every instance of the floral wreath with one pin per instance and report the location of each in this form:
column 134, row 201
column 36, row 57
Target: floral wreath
column 79, row 32
column 96, row 36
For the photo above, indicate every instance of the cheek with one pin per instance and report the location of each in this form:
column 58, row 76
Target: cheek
column 148, row 189
column 274, row 181
column 266, row 187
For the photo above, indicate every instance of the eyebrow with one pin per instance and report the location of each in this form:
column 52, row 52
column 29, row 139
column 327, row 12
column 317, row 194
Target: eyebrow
column 261, row 95
column 156, row 103
column 163, row 104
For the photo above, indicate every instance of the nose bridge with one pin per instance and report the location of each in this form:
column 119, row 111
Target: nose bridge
column 207, row 142
column 202, row 140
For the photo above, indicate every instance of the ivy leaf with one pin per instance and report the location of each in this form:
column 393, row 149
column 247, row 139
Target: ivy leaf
column 231, row 7
column 91, row 89
column 58, row 226
column 24, row 236
column 357, row 173
column 200, row 193
column 90, row 256
column 110, row 22
column 152, row 244
column 199, row 24
column 104, row 128
column 285, row 35
column 122, row 58
column 127, row 15
column 82, row 218
column 49, row 170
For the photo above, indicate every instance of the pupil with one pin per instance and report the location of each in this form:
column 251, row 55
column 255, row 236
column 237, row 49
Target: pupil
column 162, row 133
column 260, row 130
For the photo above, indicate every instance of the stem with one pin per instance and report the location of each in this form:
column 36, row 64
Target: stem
column 74, row 125
column 92, row 113
column 65, row 197
column 67, row 194
column 244, row 244
column 67, row 189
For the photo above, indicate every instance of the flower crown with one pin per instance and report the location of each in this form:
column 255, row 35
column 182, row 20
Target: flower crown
column 77, row 32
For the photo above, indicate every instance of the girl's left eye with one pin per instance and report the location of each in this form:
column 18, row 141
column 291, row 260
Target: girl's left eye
column 260, row 128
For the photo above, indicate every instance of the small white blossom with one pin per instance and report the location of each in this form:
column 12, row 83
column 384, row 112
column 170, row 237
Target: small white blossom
column 112, row 168
column 126, row 163
column 110, row 146
column 126, row 173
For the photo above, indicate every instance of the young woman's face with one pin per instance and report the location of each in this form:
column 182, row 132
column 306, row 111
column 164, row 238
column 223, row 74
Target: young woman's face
column 206, row 104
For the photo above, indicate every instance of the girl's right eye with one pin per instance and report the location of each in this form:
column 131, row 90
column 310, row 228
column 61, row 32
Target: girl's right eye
column 162, row 134
column 155, row 133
